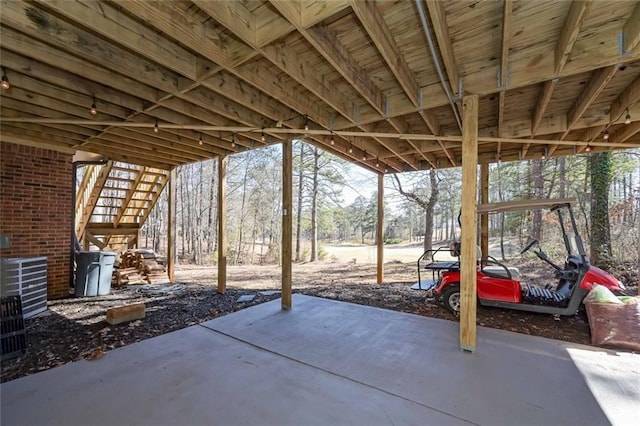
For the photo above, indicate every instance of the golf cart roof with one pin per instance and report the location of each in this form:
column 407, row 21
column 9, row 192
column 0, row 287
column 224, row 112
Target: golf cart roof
column 523, row 205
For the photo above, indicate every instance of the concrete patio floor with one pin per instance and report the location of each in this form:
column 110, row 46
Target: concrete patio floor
column 331, row 363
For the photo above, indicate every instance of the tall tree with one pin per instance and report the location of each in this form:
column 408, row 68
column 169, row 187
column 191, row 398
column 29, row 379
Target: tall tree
column 600, row 173
column 425, row 198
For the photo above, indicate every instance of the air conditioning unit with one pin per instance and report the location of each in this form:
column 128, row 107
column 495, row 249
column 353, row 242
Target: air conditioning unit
column 25, row 277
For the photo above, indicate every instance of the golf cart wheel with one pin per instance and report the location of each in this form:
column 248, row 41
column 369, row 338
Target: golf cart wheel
column 451, row 298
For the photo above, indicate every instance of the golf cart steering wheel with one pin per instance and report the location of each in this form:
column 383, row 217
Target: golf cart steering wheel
column 531, row 244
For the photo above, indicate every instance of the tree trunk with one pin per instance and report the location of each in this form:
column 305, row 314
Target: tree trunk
column 314, row 207
column 600, row 172
column 300, row 189
column 538, row 192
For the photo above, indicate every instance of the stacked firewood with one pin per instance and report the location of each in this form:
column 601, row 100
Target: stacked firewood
column 139, row 266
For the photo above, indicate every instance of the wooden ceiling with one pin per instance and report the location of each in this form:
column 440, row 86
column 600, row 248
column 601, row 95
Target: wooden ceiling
column 218, row 75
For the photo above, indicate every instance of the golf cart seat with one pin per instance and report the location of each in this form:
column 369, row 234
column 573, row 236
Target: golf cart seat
column 502, row 272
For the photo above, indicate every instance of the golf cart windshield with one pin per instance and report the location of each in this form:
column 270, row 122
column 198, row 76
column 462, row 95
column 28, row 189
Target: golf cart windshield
column 572, row 240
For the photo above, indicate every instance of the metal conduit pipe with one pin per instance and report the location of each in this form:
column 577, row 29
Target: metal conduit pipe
column 432, row 48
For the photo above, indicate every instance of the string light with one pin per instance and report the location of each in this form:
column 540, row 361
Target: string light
column 233, row 140
column 94, row 109
column 155, row 127
column 588, row 148
column 377, row 163
column 386, row 170
column 350, row 149
column 627, row 119
column 306, row 124
column 544, row 154
column 5, row 80
column 332, row 140
column 605, row 136
column 364, row 155
column 262, row 138
column 200, row 139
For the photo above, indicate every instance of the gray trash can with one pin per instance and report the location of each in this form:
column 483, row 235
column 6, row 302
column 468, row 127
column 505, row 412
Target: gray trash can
column 93, row 273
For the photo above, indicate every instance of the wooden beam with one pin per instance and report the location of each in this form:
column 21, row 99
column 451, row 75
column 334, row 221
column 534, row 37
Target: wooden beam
column 379, row 32
column 631, row 30
column 506, row 41
column 117, row 26
column 625, row 133
column 233, row 15
column 327, row 43
column 441, row 29
column 543, row 103
column 468, row 292
column 380, row 231
column 287, row 221
column 629, row 96
column 570, row 31
column 484, row 217
column 222, row 224
column 596, row 84
column 523, row 205
column 171, row 227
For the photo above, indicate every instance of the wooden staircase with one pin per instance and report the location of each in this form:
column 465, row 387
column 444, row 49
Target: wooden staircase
column 113, row 201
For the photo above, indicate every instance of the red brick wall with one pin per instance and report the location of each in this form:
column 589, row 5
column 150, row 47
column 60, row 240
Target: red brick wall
column 35, row 209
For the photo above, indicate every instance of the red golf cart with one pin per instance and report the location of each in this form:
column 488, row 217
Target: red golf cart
column 500, row 286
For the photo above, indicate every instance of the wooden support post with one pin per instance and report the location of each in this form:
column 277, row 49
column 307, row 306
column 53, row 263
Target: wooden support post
column 287, row 221
column 222, row 224
column 171, row 231
column 484, row 217
column 469, row 223
column 380, row 229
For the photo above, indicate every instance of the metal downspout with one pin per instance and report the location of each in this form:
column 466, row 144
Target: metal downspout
column 432, row 48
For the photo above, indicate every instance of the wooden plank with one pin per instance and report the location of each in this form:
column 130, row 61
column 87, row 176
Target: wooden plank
column 468, row 292
column 570, row 31
column 543, row 102
column 631, row 30
column 222, row 224
column 327, row 43
column 596, row 84
column 506, row 41
column 625, row 133
column 380, row 231
column 629, row 96
column 233, row 15
column 287, row 221
column 441, row 29
column 315, row 11
column 171, row 227
column 86, row 45
column 484, row 217
column 379, row 32
column 523, row 205
column 119, row 27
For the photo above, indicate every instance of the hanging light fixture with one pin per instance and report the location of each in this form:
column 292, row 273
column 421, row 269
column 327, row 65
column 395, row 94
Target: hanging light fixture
column 544, row 154
column 155, row 127
column 386, row 170
column 605, row 135
column 350, row 149
column 377, row 163
column 5, row 80
column 588, row 148
column 306, row 123
column 262, row 138
column 94, row 109
column 200, row 139
column 233, row 140
column 627, row 119
column 332, row 139
column 364, row 155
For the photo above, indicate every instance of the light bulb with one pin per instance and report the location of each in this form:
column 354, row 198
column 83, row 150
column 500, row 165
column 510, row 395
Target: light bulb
column 155, row 127
column 306, row 123
column 200, row 140
column 262, row 138
column 588, row 148
column 94, row 109
column 627, row 119
column 233, row 141
column 350, row 150
column 605, row 136
column 5, row 80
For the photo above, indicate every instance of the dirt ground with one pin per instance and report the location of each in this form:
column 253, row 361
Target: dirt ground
column 75, row 328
